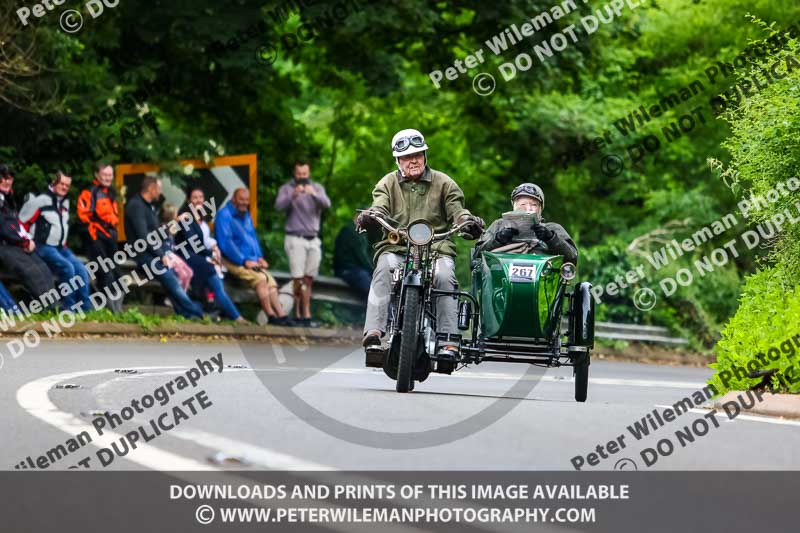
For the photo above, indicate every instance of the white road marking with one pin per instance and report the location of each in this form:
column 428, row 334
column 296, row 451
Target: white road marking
column 465, row 375
column 752, row 418
column 33, row 397
column 493, row 375
column 255, row 454
column 647, row 383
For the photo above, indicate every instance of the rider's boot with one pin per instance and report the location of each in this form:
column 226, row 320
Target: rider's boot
column 372, row 338
column 447, row 351
column 373, row 350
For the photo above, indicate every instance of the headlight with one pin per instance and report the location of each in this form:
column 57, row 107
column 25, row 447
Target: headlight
column 568, row 271
column 420, row 233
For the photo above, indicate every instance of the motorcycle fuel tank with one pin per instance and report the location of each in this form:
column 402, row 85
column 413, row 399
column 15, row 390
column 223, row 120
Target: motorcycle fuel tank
column 517, row 293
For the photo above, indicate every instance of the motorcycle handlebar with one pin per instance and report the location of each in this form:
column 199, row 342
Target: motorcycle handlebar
column 455, row 229
column 402, row 231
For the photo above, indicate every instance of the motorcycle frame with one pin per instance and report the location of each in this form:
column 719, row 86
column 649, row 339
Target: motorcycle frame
column 416, row 272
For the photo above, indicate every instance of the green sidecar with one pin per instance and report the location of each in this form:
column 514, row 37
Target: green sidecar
column 524, row 308
column 516, row 294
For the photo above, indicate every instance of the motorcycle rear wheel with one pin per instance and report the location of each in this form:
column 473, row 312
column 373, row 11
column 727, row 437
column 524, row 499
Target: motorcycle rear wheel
column 409, row 340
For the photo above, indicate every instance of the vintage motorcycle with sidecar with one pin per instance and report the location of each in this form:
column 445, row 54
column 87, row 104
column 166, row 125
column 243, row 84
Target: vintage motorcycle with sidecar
column 513, row 313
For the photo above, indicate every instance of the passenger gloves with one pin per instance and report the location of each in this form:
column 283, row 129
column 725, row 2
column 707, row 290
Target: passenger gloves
column 474, row 227
column 543, row 233
column 505, row 235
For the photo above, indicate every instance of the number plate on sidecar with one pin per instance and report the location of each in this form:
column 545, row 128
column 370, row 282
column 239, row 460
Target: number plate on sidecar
column 522, row 273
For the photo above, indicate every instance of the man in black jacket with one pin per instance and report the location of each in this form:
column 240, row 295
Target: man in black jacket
column 140, row 221
column 16, row 244
column 352, row 258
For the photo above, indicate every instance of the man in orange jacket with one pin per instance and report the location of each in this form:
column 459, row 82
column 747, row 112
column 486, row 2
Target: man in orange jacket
column 99, row 210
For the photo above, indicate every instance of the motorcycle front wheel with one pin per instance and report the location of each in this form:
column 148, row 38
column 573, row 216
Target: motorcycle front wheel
column 581, row 372
column 409, row 339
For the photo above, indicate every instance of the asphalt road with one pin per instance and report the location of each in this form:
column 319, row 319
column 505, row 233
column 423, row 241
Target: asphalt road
column 317, row 407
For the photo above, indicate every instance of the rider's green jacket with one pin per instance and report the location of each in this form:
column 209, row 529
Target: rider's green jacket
column 435, row 197
column 560, row 244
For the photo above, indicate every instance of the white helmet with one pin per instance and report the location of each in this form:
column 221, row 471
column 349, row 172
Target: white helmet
column 408, row 142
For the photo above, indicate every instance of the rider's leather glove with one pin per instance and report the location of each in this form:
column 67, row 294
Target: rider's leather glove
column 505, row 235
column 365, row 219
column 543, row 233
column 474, row 228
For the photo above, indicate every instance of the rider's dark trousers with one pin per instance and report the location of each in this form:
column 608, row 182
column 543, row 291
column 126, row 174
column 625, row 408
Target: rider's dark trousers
column 444, row 277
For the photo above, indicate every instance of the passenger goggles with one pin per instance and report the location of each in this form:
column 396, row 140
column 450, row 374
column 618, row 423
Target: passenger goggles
column 404, row 143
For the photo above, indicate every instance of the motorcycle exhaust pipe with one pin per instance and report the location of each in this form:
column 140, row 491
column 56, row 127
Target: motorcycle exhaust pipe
column 464, row 315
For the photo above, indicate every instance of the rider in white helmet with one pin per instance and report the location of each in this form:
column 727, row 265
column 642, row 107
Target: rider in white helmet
column 415, row 191
column 406, row 143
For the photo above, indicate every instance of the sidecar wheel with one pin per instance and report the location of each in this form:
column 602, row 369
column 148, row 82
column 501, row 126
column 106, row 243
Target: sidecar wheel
column 581, row 370
column 409, row 340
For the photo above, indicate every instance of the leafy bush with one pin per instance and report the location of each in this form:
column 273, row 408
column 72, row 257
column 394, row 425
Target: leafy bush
column 765, row 153
column 768, row 315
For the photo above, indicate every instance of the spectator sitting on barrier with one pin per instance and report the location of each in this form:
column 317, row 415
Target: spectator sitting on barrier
column 352, row 259
column 183, row 271
column 140, row 220
column 195, row 200
column 46, row 217
column 303, row 200
column 241, row 255
column 207, row 279
column 16, row 244
column 98, row 209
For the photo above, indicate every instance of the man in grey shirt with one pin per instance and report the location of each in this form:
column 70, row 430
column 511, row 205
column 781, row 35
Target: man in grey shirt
column 304, row 201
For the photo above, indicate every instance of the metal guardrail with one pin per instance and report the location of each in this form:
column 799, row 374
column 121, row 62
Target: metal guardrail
column 635, row 332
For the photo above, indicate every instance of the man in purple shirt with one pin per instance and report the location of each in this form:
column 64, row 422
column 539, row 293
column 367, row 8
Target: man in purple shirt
column 303, row 200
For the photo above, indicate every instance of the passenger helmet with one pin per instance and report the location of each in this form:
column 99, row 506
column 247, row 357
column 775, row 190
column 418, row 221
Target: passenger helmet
column 528, row 189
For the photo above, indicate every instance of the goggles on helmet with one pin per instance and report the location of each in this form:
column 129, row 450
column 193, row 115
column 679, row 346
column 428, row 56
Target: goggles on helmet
column 404, row 143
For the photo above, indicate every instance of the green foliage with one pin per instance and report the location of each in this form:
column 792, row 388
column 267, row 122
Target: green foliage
column 768, row 315
column 765, row 153
column 129, row 316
